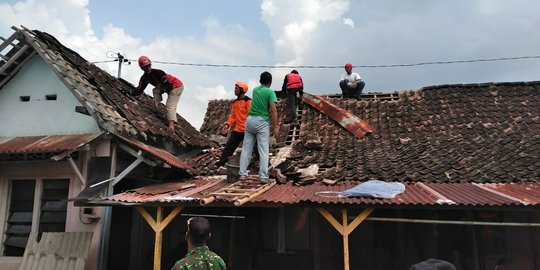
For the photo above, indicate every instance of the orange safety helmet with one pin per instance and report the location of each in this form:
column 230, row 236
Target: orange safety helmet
column 144, row 61
column 348, row 65
column 242, row 85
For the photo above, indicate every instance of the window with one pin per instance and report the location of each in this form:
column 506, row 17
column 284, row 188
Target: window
column 34, row 205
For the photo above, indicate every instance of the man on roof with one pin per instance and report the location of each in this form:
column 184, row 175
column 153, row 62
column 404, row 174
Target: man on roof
column 237, row 118
column 351, row 83
column 163, row 83
column 292, row 84
column 263, row 108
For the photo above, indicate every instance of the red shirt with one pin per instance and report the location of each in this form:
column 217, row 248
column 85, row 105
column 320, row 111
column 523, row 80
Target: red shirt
column 154, row 78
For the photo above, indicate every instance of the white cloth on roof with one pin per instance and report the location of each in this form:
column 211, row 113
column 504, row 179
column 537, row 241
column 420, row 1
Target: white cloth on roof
column 376, row 189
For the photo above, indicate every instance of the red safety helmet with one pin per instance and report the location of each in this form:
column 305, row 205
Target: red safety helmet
column 144, row 61
column 348, row 65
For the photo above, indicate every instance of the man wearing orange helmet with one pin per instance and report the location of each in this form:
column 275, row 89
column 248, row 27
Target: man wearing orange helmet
column 237, row 118
column 351, row 83
column 163, row 83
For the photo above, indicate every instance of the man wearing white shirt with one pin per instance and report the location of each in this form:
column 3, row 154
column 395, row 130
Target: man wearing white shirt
column 351, row 83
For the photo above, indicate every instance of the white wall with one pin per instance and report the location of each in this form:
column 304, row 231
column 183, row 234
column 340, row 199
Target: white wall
column 40, row 116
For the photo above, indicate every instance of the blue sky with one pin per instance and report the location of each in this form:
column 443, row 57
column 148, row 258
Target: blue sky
column 294, row 32
column 183, row 18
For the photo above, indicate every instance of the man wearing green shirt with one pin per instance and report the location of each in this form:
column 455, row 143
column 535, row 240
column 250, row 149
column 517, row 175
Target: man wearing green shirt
column 199, row 256
column 263, row 107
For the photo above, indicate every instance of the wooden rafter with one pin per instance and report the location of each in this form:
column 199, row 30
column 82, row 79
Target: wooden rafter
column 344, row 228
column 158, row 225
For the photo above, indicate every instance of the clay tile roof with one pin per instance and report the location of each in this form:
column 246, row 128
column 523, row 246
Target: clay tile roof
column 462, row 133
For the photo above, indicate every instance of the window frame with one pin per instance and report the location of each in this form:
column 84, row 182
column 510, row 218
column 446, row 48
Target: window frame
column 5, row 198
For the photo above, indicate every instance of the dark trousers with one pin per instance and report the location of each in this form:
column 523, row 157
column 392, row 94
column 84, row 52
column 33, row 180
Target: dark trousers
column 235, row 138
column 352, row 92
column 291, row 105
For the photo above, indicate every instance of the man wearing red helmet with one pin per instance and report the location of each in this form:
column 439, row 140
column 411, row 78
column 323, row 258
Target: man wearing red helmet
column 351, row 83
column 163, row 83
column 237, row 118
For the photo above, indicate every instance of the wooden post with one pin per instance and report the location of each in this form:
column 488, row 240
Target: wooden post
column 344, row 228
column 158, row 225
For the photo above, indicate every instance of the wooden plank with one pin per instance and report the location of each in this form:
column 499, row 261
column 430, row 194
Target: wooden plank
column 159, row 239
column 331, row 219
column 359, row 219
column 158, row 225
column 9, row 41
column 344, row 228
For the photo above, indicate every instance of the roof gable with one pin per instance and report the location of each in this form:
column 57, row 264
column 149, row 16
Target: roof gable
column 102, row 95
column 36, row 102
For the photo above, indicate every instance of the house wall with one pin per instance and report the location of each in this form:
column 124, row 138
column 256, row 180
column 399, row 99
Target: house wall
column 74, row 220
column 40, row 116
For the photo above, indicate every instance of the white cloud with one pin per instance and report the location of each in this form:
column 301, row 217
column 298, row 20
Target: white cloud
column 293, row 24
column 309, row 32
column 70, row 23
column 349, row 22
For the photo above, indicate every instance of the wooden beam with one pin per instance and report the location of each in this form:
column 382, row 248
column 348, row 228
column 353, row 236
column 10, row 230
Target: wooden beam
column 158, row 225
column 345, row 228
column 359, row 219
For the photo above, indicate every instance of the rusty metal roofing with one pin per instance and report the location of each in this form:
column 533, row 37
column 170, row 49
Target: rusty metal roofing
column 358, row 127
column 160, row 153
column 166, row 193
column 53, row 143
column 416, row 194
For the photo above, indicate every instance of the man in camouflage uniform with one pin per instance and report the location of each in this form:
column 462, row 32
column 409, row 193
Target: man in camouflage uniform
column 199, row 256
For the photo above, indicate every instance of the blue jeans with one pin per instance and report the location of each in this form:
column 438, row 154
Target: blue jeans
column 257, row 130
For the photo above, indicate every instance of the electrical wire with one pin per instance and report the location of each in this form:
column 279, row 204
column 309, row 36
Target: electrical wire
column 104, row 61
column 340, row 66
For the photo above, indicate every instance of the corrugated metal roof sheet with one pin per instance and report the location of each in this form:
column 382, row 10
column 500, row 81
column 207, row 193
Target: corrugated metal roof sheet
column 167, row 193
column 358, row 127
column 426, row 194
column 160, row 153
column 59, row 251
column 29, row 144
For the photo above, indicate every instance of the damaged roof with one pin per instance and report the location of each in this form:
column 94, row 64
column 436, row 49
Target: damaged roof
column 462, row 133
column 102, row 95
column 465, row 145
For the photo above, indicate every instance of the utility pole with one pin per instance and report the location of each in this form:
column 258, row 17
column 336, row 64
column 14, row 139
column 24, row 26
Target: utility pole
column 121, row 58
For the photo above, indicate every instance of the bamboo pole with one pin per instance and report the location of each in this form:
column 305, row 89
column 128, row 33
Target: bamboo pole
column 248, row 198
column 158, row 225
column 345, row 228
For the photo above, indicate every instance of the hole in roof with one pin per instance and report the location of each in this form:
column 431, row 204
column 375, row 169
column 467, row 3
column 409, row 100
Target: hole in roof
column 24, row 98
column 50, row 97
